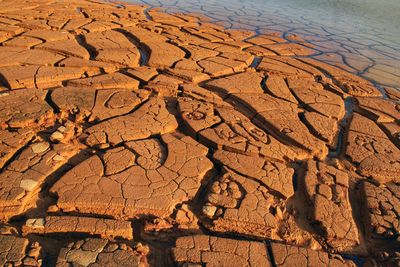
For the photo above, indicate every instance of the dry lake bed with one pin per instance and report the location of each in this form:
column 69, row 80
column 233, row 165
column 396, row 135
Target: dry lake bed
column 137, row 136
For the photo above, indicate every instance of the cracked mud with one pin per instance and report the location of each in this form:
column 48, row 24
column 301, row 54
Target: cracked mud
column 133, row 137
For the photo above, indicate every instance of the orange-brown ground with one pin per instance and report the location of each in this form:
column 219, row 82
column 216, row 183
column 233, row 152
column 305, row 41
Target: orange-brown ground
column 131, row 137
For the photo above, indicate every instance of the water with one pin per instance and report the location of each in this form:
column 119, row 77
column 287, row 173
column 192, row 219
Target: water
column 363, row 35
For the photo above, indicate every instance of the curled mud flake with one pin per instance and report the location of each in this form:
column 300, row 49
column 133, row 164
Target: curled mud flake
column 327, row 190
column 91, row 67
column 379, row 110
column 236, row 55
column 100, row 26
column 163, row 90
column 184, row 40
column 325, row 128
column 372, row 150
column 22, row 41
column 260, row 51
column 113, row 102
column 67, row 224
column 31, row 76
column 349, row 83
column 291, row 131
column 198, row 53
column 216, row 251
column 218, row 66
column 230, row 130
column 281, row 119
column 162, row 54
column 106, row 81
column 214, row 68
column 34, row 24
column 380, row 214
column 101, row 252
column 48, row 77
column 277, row 86
column 208, row 33
column 25, row 109
column 165, row 18
column 122, row 57
column 17, row 251
column 313, row 95
column 197, row 115
column 74, row 23
column 150, row 119
column 201, row 94
column 393, row 129
column 188, row 64
column 283, row 67
column 274, row 175
column 49, row 35
column 289, row 49
column 143, row 73
column 11, row 142
column 246, row 82
column 286, row 255
column 265, row 40
column 74, row 101
column 147, row 181
column 65, row 47
column 245, row 206
column 188, row 75
column 164, row 82
column 108, row 39
column 20, row 181
column 13, row 29
column 145, row 34
column 225, row 133
column 13, row 56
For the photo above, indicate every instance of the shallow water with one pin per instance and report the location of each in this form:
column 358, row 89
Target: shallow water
column 364, row 35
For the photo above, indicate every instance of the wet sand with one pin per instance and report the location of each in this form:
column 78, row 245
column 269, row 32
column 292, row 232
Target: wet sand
column 132, row 137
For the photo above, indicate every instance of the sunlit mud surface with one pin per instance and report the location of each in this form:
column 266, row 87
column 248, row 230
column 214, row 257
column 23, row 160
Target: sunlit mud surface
column 361, row 35
column 134, row 137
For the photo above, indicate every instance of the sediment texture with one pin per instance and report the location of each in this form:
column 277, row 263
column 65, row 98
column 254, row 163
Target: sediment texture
column 131, row 137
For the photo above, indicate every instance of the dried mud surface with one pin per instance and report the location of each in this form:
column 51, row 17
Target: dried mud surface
column 133, row 137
